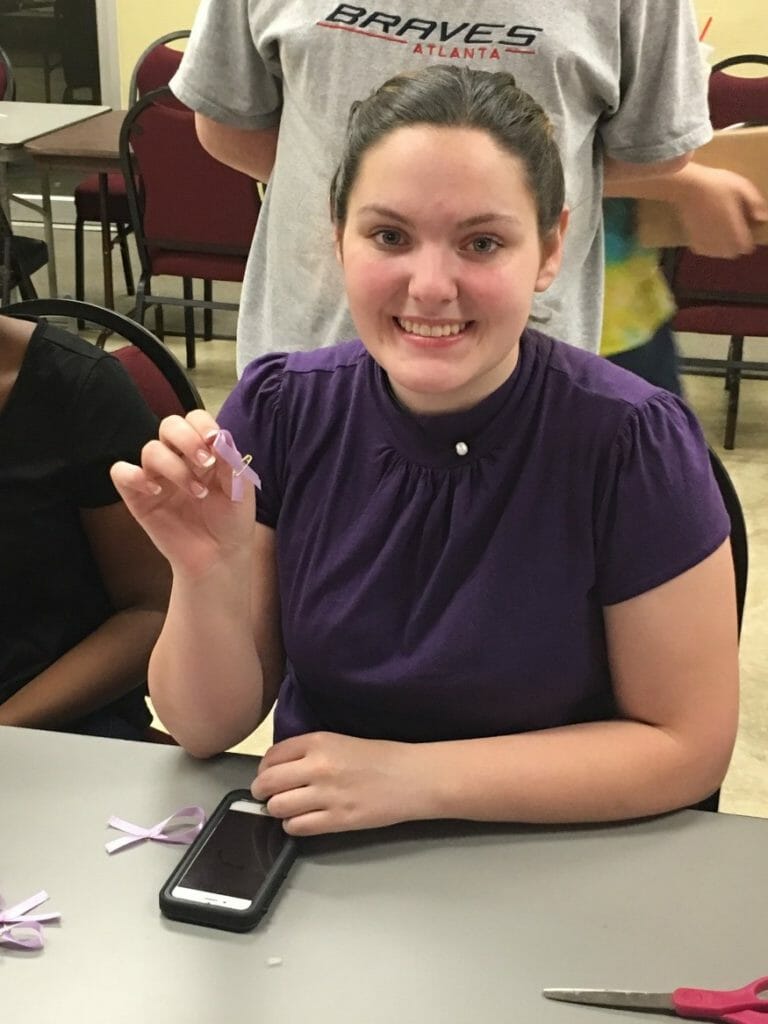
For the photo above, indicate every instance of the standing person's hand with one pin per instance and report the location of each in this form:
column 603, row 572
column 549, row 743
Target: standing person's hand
column 325, row 782
column 719, row 210
column 181, row 496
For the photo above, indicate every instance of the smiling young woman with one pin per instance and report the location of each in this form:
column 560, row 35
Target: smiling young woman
column 489, row 575
column 440, row 286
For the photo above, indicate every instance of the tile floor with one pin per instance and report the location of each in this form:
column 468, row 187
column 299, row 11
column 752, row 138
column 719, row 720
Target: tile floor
column 746, row 787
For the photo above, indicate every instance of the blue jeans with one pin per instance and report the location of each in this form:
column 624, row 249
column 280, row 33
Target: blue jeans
column 654, row 361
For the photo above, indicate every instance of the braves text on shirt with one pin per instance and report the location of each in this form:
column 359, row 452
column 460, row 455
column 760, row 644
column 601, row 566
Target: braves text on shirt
column 463, row 41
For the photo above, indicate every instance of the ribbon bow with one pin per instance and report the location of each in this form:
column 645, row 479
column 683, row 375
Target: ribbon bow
column 20, row 930
column 224, row 446
column 178, row 831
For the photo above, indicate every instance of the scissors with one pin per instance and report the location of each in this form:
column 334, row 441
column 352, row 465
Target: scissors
column 745, row 1005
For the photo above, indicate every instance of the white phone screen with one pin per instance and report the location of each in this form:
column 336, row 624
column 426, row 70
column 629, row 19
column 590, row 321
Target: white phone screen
column 236, row 858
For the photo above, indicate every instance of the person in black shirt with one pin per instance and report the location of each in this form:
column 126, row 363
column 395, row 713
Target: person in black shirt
column 83, row 593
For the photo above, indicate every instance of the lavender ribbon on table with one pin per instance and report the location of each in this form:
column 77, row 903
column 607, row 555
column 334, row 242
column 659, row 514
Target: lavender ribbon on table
column 224, row 446
column 20, row 929
column 171, row 830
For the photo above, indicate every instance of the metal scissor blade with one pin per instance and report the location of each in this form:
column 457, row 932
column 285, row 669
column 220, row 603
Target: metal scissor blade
column 652, row 1002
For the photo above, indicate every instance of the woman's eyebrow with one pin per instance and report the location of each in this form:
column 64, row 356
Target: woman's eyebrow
column 469, row 222
column 384, row 211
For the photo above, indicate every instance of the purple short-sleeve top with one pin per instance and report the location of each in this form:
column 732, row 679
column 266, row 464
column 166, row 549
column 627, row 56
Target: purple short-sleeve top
column 444, row 577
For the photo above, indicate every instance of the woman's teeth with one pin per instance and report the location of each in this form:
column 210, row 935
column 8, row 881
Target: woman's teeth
column 431, row 330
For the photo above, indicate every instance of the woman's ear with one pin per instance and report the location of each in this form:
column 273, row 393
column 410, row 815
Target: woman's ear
column 338, row 236
column 552, row 253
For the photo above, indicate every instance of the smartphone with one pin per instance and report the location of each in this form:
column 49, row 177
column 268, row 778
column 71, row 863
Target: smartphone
column 230, row 874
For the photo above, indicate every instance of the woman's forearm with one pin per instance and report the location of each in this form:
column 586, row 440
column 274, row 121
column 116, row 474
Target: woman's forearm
column 104, row 666
column 599, row 771
column 205, row 675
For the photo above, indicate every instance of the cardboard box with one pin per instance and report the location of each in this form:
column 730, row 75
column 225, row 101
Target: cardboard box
column 743, row 150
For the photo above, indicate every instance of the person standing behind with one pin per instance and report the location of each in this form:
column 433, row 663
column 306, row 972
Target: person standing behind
column 271, row 82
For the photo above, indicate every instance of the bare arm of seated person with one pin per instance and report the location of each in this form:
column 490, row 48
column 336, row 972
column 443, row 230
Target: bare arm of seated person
column 620, row 173
column 112, row 660
column 249, row 151
column 217, row 666
column 716, row 207
column 673, row 653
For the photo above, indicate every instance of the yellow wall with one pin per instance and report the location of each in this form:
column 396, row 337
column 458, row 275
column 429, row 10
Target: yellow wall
column 141, row 21
column 738, row 26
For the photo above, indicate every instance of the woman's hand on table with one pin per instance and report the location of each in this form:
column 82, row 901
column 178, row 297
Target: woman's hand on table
column 326, row 782
column 180, row 494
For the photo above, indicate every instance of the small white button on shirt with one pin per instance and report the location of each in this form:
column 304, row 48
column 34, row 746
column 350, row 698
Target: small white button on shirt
column 462, row 448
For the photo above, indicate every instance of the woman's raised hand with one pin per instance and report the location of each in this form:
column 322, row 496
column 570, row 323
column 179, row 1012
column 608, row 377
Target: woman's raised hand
column 181, row 496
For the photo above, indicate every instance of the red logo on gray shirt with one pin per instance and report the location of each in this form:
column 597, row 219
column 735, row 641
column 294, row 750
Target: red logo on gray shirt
column 463, row 41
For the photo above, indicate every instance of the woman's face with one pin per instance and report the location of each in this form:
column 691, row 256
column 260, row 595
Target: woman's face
column 441, row 257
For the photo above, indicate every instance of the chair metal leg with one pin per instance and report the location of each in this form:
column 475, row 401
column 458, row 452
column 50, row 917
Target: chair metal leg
column 737, row 350
column 122, row 237
column 140, row 309
column 143, row 290
column 728, row 373
column 189, row 323
column 80, row 265
column 208, row 313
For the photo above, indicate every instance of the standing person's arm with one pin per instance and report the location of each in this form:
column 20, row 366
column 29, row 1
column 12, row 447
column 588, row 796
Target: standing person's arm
column 717, row 208
column 245, row 149
column 659, row 115
column 235, row 90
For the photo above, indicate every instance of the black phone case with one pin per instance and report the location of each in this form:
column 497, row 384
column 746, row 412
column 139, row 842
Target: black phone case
column 221, row 917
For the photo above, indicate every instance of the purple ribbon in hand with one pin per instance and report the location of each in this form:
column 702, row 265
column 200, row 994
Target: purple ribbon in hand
column 178, row 831
column 21, row 930
column 225, row 448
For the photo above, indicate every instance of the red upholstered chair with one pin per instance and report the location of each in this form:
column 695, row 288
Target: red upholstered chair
column 154, row 68
column 7, row 81
column 193, row 217
column 727, row 297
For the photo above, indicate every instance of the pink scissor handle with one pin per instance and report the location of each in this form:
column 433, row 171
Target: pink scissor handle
column 741, row 1005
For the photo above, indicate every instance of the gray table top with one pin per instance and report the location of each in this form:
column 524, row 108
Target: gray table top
column 448, row 922
column 21, row 121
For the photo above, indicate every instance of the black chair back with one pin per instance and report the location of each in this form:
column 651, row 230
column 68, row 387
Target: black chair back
column 739, row 550
column 186, row 394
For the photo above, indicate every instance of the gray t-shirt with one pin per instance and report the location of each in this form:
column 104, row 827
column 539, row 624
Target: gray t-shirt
column 620, row 77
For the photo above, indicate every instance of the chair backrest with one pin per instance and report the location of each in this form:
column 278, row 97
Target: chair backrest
column 155, row 388
column 157, row 373
column 739, row 550
column 156, row 66
column 703, row 280
column 189, row 202
column 7, row 79
column 739, row 544
column 736, row 99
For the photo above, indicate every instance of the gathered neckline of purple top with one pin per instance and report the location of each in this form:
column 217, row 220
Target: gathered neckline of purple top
column 432, row 439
